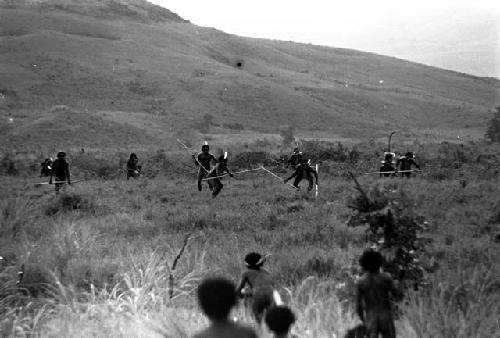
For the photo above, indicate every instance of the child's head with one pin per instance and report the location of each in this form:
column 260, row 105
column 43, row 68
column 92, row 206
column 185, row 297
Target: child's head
column 371, row 260
column 254, row 260
column 279, row 319
column 216, row 297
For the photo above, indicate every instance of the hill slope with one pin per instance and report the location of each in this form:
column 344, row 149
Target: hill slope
column 122, row 59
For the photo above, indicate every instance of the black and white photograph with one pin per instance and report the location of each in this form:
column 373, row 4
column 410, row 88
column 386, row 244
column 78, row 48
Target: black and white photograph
column 257, row 169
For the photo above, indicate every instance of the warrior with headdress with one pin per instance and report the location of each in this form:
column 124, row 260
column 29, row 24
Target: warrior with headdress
column 405, row 163
column 304, row 171
column 258, row 285
column 215, row 175
column 60, row 169
column 204, row 161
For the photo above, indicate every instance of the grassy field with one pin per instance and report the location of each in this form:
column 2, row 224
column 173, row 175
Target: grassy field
column 97, row 259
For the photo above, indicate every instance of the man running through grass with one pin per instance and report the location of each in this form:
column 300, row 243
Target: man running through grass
column 295, row 159
column 203, row 160
column 215, row 174
column 405, row 163
column 46, row 167
column 216, row 297
column 60, row 169
column 260, row 283
column 387, row 169
column 304, row 171
column 133, row 169
column 373, row 303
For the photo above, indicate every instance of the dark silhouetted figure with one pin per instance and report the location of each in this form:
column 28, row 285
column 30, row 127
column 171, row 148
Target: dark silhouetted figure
column 46, row 167
column 373, row 303
column 133, row 169
column 260, row 283
column 304, row 171
column 60, row 169
column 405, row 163
column 387, row 169
column 279, row 320
column 359, row 331
column 216, row 297
column 295, row 159
column 220, row 169
column 204, row 160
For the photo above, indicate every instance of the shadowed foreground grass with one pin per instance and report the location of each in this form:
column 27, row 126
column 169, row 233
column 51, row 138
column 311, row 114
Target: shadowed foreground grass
column 97, row 259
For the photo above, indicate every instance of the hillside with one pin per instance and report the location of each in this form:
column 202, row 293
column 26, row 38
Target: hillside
column 137, row 64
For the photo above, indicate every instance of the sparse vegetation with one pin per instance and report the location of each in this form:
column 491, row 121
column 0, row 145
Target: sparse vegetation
column 493, row 131
column 97, row 260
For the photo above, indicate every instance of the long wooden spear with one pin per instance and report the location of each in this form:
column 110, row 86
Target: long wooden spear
column 279, row 178
column 237, row 172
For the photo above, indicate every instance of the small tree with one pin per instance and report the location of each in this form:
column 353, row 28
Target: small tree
column 394, row 230
column 493, row 132
column 286, row 133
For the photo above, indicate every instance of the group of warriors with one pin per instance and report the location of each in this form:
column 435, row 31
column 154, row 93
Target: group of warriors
column 375, row 291
column 213, row 175
column 58, row 169
column 403, row 165
column 217, row 296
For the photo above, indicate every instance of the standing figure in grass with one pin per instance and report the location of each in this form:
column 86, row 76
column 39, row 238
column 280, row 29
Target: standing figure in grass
column 405, row 163
column 258, row 285
column 295, row 159
column 216, row 297
column 46, row 167
column 373, row 299
column 387, row 169
column 133, row 170
column 304, row 171
column 279, row 320
column 214, row 177
column 203, row 160
column 60, row 169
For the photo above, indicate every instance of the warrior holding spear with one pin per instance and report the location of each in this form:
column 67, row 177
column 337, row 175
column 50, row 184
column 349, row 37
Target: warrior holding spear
column 60, row 169
column 203, row 160
column 215, row 175
column 304, row 171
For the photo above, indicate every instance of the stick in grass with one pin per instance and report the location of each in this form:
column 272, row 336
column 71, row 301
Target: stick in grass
column 174, row 265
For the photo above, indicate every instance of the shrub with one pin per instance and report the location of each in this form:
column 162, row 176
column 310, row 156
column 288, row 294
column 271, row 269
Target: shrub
column 69, row 201
column 493, row 131
column 394, row 230
column 8, row 165
column 286, row 133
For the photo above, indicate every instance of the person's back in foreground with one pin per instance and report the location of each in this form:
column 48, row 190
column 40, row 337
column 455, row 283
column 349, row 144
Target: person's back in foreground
column 261, row 284
column 279, row 320
column 374, row 291
column 216, row 297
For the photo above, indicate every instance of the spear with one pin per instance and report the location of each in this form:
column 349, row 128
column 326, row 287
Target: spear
column 393, row 172
column 56, row 182
column 237, row 172
column 317, row 167
column 279, row 178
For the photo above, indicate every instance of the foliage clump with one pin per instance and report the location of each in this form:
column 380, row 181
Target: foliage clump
column 71, row 201
column 493, row 131
column 394, row 230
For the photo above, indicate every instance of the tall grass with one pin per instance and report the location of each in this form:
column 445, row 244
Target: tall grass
column 103, row 268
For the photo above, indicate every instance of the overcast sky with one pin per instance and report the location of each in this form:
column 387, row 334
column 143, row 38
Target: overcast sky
column 454, row 34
